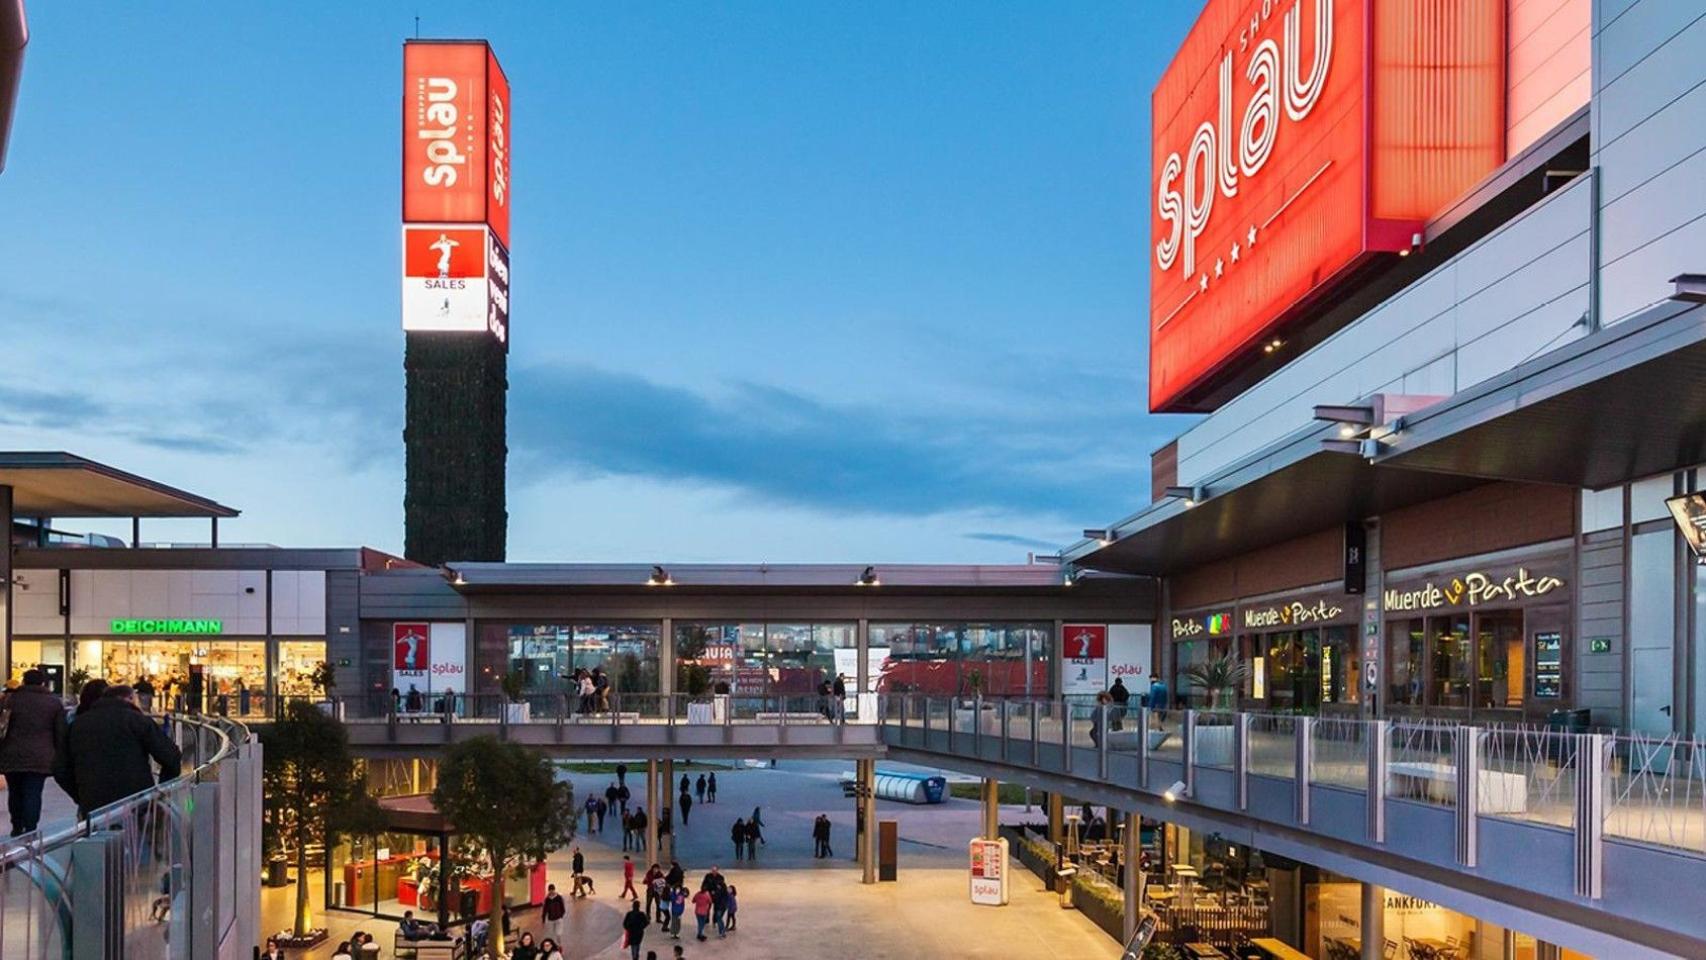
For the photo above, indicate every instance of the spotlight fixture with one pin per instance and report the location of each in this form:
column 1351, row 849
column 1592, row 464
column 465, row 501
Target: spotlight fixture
column 1174, row 792
column 1051, row 559
column 868, row 578
column 1272, row 345
column 1690, row 287
column 1092, row 533
column 1192, row 495
column 659, row 578
column 1069, row 575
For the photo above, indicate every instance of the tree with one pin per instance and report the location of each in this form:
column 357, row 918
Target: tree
column 508, row 801
column 314, row 791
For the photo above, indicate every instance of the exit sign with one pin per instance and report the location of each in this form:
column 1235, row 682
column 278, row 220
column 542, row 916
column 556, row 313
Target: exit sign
column 1599, row 644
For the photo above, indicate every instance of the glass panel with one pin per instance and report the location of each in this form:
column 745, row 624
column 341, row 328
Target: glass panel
column 1499, row 675
column 798, row 662
column 1652, row 640
column 1448, row 680
column 1404, row 646
column 627, row 652
column 203, row 669
column 296, row 662
column 1340, row 666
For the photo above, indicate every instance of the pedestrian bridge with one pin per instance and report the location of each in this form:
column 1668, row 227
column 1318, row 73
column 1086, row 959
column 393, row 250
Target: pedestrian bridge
column 1592, row 841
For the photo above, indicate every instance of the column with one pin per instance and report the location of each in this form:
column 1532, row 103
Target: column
column 1373, row 922
column 651, row 805
column 868, row 798
column 666, row 661
column 6, row 584
column 1131, row 859
column 668, row 801
column 862, row 680
column 1056, row 818
column 991, row 808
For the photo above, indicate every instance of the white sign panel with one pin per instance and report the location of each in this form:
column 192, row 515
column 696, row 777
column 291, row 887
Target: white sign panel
column 847, row 664
column 1131, row 656
column 989, row 872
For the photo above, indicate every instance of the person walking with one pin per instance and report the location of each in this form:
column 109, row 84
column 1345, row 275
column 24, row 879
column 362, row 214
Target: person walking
column 622, row 774
column 685, row 783
column 840, row 698
column 602, row 808
column 686, row 803
column 634, row 929
column 591, row 813
column 577, row 871
column 702, row 911
column 108, row 749
column 640, row 820
column 623, row 796
column 552, row 911
column 711, row 788
column 1120, row 697
column 677, row 906
column 751, row 842
column 610, row 796
column 676, row 876
column 733, row 905
column 1098, row 718
column 653, row 882
column 627, row 831
column 699, row 788
column 34, row 736
column 738, row 835
column 628, row 878
column 756, row 821
column 720, row 910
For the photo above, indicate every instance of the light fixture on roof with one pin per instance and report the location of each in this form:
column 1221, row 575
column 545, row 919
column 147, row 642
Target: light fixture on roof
column 659, row 578
column 1272, row 345
column 1690, row 287
column 1051, row 559
column 1175, row 791
column 868, row 578
column 1192, row 495
column 1096, row 533
column 1415, row 244
column 1070, row 575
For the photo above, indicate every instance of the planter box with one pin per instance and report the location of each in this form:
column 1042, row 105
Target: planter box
column 518, row 713
column 331, row 708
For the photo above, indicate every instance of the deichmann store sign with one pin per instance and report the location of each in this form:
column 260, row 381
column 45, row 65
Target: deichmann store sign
column 1294, row 140
column 1472, row 588
column 167, row 626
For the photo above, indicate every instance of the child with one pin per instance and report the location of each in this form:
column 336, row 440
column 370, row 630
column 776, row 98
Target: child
column 732, row 906
column 677, row 906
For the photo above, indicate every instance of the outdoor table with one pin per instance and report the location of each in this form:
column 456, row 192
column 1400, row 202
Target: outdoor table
column 1204, row 951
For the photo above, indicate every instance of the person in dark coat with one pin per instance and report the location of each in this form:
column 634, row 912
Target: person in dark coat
column 108, row 749
column 634, row 925
column 34, row 737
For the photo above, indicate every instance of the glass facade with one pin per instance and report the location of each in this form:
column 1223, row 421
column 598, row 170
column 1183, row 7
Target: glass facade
column 547, row 655
column 963, row 659
column 1487, row 661
column 762, row 659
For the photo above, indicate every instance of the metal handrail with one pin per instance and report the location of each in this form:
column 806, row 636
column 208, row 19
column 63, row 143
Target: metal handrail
column 14, row 849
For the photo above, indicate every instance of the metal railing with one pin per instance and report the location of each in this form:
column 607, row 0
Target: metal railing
column 171, row 872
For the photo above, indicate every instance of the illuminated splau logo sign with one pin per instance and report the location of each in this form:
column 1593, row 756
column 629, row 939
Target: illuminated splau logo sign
column 1220, row 153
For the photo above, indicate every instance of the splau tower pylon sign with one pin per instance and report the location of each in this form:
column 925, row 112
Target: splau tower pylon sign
column 455, row 299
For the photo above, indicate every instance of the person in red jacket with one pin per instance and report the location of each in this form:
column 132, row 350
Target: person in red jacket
column 628, row 878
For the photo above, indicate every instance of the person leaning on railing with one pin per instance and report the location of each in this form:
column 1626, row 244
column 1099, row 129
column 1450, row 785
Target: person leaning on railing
column 108, row 749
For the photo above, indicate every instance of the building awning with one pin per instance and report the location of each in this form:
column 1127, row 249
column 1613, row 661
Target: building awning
column 752, row 577
column 56, row 484
column 414, row 813
column 1622, row 403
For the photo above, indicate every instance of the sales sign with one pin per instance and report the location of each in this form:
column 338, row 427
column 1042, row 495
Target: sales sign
column 1292, row 142
column 411, row 645
column 1084, row 651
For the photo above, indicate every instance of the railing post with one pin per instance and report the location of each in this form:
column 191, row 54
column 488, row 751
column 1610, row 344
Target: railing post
column 1102, row 745
column 1592, row 756
column 503, row 718
column 202, row 877
column 977, row 725
column 97, row 880
column 1188, row 750
column 951, row 724
column 1241, row 757
column 1468, row 749
column 1006, row 737
column 1143, row 747
column 1304, row 731
column 1065, row 735
column 1036, row 745
column 1379, row 733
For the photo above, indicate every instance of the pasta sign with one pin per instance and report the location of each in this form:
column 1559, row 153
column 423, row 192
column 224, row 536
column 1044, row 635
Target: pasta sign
column 1283, row 159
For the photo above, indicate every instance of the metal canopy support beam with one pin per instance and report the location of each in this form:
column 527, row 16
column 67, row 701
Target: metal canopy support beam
column 135, row 532
column 868, row 801
column 991, row 808
column 214, row 533
column 6, row 584
column 1131, row 860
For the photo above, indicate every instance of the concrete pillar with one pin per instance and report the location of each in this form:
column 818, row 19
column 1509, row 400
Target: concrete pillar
column 666, row 661
column 651, row 806
column 991, row 808
column 1056, row 817
column 1131, row 857
column 868, row 800
column 662, row 856
column 1373, row 922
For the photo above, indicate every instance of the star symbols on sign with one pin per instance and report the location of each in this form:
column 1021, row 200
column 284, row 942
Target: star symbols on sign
column 1252, row 235
column 1235, row 249
column 1202, row 282
column 1219, row 268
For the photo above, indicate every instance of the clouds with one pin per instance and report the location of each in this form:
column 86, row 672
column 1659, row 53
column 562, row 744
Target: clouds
column 783, row 446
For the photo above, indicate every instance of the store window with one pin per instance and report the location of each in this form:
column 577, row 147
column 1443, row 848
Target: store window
column 758, row 659
column 1500, row 662
column 1341, row 666
column 1405, row 645
column 297, row 661
column 1448, row 678
column 546, row 655
column 960, row 659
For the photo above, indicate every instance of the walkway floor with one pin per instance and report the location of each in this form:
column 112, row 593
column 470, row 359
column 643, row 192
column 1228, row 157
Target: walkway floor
column 793, row 906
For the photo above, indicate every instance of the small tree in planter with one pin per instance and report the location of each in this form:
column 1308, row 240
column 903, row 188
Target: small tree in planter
column 324, row 677
column 313, row 794
column 507, row 800
column 514, row 685
column 1217, row 676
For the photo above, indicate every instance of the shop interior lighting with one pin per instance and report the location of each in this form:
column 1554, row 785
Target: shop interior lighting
column 868, row 578
column 1272, row 345
column 659, row 578
column 1175, row 791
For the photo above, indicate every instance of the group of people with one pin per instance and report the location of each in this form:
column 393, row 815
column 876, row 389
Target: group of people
column 415, row 702
column 593, row 687
column 748, row 835
column 667, row 899
column 1111, row 710
column 832, row 698
column 104, row 752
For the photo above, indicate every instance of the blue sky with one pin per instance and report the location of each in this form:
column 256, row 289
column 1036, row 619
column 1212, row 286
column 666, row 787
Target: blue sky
column 791, row 280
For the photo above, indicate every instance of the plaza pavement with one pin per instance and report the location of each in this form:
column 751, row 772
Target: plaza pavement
column 793, row 907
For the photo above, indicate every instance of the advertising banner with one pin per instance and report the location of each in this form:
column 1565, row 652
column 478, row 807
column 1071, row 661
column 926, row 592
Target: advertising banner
column 1292, row 142
column 1131, row 655
column 1084, row 658
column 430, row 656
column 411, row 645
column 989, row 872
column 456, row 135
column 444, row 278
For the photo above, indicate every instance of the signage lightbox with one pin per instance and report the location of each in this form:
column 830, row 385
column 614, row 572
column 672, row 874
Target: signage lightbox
column 167, row 626
column 1084, row 656
column 1292, row 142
column 1689, row 512
column 456, row 135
